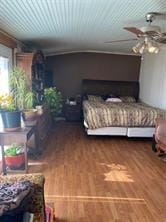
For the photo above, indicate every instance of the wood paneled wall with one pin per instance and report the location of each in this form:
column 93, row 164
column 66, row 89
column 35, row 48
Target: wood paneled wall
column 69, row 69
column 7, row 40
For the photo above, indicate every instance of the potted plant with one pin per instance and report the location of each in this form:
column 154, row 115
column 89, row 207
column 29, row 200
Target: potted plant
column 23, row 95
column 11, row 116
column 53, row 99
column 18, row 85
column 29, row 113
column 15, row 157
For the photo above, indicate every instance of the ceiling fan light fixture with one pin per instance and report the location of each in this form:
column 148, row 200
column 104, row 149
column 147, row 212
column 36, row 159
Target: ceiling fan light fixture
column 150, row 34
column 146, row 46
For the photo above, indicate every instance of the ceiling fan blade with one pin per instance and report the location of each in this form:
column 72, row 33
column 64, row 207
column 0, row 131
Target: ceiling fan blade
column 152, row 33
column 163, row 34
column 161, row 40
column 134, row 30
column 123, row 40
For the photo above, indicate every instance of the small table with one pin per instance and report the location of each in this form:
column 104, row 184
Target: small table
column 20, row 136
column 73, row 112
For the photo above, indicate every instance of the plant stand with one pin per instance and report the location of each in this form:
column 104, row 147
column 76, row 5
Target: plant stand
column 20, row 137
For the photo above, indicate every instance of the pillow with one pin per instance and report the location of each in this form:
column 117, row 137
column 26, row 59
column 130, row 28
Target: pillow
column 94, row 98
column 109, row 96
column 115, row 100
column 128, row 99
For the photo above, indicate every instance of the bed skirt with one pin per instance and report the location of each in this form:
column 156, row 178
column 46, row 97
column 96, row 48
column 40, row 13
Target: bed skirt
column 121, row 131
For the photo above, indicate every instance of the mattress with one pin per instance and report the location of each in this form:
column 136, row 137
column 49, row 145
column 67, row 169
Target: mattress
column 98, row 114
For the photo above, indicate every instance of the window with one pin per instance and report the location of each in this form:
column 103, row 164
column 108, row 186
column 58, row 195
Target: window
column 5, row 67
column 4, row 71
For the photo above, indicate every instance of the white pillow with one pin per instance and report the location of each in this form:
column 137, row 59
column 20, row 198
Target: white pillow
column 114, row 100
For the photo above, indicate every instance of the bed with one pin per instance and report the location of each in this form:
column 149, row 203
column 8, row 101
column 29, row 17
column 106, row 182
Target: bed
column 132, row 119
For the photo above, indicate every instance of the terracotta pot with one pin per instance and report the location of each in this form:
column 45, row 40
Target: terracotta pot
column 15, row 162
column 29, row 116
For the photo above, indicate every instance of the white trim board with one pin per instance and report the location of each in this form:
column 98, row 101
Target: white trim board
column 90, row 51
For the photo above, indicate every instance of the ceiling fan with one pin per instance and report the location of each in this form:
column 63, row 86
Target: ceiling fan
column 150, row 35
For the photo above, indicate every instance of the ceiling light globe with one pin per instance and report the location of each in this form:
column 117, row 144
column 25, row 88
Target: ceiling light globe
column 157, row 50
column 135, row 49
column 141, row 50
column 153, row 49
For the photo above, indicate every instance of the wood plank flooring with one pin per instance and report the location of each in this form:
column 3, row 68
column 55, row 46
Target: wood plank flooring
column 102, row 179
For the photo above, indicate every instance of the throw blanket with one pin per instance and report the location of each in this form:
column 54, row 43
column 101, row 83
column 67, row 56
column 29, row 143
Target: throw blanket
column 98, row 114
column 12, row 194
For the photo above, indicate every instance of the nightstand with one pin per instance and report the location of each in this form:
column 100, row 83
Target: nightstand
column 73, row 112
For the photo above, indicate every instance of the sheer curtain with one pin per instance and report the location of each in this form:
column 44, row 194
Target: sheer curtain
column 4, row 75
column 5, row 67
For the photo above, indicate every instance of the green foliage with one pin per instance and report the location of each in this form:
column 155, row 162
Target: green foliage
column 54, row 99
column 11, row 108
column 13, row 150
column 22, row 93
column 29, row 99
column 18, row 86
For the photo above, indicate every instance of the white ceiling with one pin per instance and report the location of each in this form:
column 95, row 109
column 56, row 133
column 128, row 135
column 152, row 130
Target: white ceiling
column 58, row 26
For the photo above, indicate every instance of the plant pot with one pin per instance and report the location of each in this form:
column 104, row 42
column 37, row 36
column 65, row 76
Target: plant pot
column 11, row 120
column 15, row 162
column 39, row 109
column 29, row 116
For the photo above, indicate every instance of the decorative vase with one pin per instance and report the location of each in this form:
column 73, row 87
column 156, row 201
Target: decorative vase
column 11, row 120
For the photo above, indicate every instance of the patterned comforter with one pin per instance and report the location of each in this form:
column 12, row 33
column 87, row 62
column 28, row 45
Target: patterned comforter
column 99, row 114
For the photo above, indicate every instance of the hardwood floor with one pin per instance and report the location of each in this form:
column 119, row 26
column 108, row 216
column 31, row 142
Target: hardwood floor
column 102, row 179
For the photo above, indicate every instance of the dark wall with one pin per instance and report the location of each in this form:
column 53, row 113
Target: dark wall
column 69, row 69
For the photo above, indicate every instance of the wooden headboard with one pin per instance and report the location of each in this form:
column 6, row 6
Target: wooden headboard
column 106, row 87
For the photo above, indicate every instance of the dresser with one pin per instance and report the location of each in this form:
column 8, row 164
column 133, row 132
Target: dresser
column 42, row 131
column 43, row 127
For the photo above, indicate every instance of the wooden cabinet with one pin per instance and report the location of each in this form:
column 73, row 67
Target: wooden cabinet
column 43, row 127
column 34, row 66
column 42, row 130
column 24, row 61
